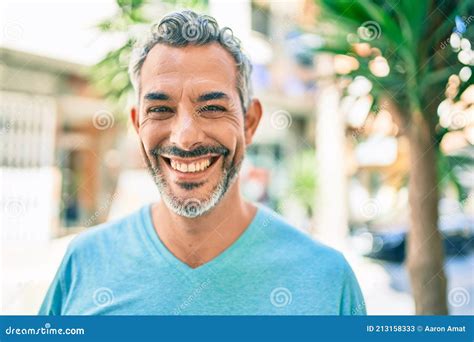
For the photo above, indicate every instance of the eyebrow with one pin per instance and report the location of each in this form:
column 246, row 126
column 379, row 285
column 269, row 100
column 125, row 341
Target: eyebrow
column 214, row 95
column 153, row 96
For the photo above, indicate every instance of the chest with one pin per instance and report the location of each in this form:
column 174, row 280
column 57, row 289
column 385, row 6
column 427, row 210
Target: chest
column 228, row 291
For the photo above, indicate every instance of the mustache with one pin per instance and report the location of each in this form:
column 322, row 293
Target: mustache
column 197, row 152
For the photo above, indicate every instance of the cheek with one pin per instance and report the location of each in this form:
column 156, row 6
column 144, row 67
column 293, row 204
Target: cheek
column 152, row 134
column 239, row 136
column 230, row 136
column 240, row 148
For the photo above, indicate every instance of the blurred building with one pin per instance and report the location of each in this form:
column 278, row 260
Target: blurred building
column 55, row 133
column 283, row 79
column 68, row 162
column 361, row 152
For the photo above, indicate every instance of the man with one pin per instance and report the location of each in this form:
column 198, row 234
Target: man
column 202, row 249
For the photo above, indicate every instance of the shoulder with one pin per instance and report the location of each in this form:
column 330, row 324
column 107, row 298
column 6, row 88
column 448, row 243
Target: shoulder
column 295, row 245
column 109, row 235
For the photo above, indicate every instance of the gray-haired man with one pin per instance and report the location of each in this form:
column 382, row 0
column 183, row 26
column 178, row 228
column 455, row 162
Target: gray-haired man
column 202, row 249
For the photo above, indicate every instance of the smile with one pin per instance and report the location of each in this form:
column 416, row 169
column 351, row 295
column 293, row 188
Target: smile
column 191, row 165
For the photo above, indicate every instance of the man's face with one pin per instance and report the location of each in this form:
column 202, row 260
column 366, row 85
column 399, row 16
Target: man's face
column 191, row 125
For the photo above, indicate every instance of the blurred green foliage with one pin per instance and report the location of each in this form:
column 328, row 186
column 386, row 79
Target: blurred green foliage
column 413, row 37
column 303, row 179
column 110, row 75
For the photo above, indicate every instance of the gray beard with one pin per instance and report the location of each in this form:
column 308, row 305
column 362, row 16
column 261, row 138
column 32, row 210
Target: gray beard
column 194, row 207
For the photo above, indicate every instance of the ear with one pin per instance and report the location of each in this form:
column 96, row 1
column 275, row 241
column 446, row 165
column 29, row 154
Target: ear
column 251, row 120
column 134, row 118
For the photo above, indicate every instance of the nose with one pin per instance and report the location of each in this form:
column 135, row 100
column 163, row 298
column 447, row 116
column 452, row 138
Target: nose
column 186, row 132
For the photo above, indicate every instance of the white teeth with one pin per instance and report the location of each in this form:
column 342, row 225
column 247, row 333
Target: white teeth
column 191, row 167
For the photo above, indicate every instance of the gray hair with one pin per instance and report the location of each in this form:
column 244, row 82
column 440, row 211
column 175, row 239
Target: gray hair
column 184, row 28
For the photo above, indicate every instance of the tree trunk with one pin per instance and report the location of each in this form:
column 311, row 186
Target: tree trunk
column 425, row 251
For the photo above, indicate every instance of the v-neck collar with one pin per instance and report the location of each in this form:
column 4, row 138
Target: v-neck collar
column 159, row 247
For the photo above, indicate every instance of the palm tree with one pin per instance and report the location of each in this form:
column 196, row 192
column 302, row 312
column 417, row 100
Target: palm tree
column 400, row 46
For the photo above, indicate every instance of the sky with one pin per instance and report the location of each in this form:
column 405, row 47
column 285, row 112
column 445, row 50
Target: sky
column 58, row 29
column 66, row 29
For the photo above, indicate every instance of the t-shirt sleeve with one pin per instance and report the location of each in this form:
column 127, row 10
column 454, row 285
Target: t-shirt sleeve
column 58, row 291
column 352, row 301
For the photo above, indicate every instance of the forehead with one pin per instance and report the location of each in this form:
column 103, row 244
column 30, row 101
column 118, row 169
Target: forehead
column 172, row 68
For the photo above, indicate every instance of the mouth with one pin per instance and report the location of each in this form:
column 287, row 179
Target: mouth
column 191, row 168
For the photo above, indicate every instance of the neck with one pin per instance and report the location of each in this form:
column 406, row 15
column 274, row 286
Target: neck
column 196, row 241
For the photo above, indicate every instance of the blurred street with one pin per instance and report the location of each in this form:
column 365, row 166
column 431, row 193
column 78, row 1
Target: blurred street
column 366, row 136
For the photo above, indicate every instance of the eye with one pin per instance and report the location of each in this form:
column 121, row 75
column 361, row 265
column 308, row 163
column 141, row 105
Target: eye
column 159, row 109
column 160, row 112
column 211, row 108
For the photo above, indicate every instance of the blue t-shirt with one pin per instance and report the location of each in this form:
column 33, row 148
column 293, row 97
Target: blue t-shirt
column 122, row 268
